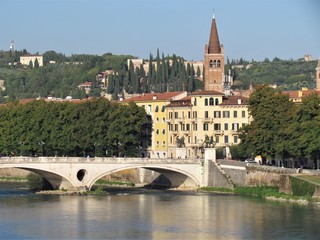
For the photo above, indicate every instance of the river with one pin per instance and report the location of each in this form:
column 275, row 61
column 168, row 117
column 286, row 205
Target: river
column 151, row 215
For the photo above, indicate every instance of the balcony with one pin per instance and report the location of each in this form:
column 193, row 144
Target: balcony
column 218, row 132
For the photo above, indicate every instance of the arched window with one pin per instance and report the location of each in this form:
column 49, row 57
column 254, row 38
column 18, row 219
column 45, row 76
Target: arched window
column 214, row 63
column 217, row 101
column 211, row 101
column 210, row 63
column 206, row 101
column 218, row 63
column 195, row 102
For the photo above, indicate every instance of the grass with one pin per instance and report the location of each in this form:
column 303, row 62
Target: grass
column 216, row 189
column 114, row 183
column 13, row 179
column 312, row 179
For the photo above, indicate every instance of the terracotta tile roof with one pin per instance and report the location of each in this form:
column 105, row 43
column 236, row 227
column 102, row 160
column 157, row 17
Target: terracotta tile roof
column 206, row 93
column 214, row 44
column 184, row 102
column 234, row 100
column 167, row 96
column 300, row 94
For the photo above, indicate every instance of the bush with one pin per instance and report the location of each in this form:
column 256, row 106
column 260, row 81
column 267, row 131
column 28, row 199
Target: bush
column 302, row 188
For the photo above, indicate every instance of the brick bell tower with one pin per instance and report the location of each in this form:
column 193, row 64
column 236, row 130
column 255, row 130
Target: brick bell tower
column 214, row 61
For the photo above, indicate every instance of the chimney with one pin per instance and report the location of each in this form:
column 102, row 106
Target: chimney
column 239, row 101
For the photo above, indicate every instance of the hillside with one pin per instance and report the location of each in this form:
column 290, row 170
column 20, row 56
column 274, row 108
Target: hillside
column 286, row 74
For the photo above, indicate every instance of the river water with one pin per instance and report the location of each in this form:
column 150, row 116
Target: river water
column 151, row 215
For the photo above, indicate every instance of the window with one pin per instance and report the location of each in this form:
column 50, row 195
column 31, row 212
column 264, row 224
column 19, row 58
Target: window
column 163, row 143
column 235, row 139
column 182, row 127
column 163, row 108
column 217, row 139
column 170, row 127
column 206, row 102
column 226, row 139
column 206, row 114
column 157, row 143
column 195, row 114
column 217, row 114
column 211, row 64
column 157, row 120
column 226, row 126
column 217, row 101
column 195, row 102
column 217, row 126
column 176, row 115
column 188, row 127
column 189, row 139
column 211, row 102
column 157, row 131
column 235, row 114
column 163, row 120
column 218, row 63
column 235, row 126
column 205, row 127
column 157, row 108
column 189, row 114
column 170, row 139
column 243, row 114
column 226, row 114
column 176, row 127
column 195, row 127
column 163, row 131
column 170, row 115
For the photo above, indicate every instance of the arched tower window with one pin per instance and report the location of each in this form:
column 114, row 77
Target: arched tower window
column 217, row 101
column 211, row 64
column 211, row 101
column 215, row 63
column 218, row 63
column 206, row 101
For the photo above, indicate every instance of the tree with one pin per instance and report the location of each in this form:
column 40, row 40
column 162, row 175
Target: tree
column 267, row 133
column 36, row 63
column 305, row 130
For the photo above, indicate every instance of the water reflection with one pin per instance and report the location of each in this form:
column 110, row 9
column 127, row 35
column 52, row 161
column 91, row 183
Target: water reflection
column 152, row 215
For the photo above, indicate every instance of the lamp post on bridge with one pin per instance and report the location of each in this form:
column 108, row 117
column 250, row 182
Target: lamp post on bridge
column 42, row 146
column 21, row 144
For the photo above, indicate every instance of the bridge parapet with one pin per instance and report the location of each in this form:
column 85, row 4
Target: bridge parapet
column 98, row 160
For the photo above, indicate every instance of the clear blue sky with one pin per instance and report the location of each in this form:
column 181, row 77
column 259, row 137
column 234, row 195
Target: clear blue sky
column 251, row 29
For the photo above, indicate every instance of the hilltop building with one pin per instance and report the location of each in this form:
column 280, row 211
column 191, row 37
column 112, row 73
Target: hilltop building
column 25, row 60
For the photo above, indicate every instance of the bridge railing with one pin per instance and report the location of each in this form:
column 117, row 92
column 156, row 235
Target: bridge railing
column 111, row 160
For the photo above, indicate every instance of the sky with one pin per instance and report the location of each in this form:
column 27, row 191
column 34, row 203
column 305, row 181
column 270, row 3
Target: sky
column 249, row 29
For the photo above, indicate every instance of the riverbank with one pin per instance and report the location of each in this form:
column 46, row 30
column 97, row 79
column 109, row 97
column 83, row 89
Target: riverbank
column 266, row 192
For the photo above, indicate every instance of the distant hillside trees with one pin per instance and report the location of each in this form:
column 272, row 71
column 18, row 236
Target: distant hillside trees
column 97, row 128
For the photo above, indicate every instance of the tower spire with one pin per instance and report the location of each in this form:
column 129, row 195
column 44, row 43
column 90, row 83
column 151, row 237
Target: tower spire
column 214, row 44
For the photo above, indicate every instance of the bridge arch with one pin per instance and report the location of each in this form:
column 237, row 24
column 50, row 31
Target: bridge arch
column 177, row 177
column 56, row 180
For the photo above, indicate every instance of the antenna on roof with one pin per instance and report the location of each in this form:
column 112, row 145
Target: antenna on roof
column 212, row 12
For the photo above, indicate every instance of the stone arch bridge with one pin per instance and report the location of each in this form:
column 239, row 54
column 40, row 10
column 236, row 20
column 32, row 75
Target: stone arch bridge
column 79, row 173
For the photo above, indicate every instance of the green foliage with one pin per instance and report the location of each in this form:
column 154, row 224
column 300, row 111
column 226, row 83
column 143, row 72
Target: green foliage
column 73, row 129
column 216, row 189
column 302, row 188
column 114, row 183
column 260, row 191
column 287, row 74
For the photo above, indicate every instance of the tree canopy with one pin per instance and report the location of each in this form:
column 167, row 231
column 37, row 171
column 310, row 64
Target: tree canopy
column 93, row 127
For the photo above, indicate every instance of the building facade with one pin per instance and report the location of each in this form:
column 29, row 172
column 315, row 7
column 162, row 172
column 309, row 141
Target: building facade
column 201, row 115
column 25, row 60
column 155, row 106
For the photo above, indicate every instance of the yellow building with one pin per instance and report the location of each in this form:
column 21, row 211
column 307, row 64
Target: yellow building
column 201, row 114
column 155, row 106
column 25, row 60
